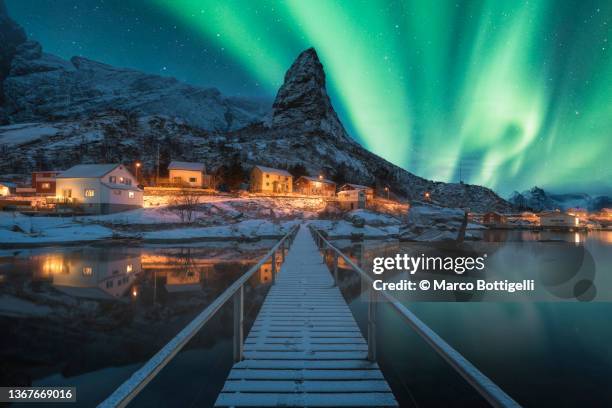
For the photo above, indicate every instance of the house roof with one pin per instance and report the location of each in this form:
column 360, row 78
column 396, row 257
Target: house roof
column 121, row 187
column 310, row 178
column 88, row 171
column 274, row 171
column 356, row 186
column 180, row 165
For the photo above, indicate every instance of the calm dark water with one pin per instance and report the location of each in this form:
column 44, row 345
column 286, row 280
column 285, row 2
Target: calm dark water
column 544, row 354
column 65, row 324
column 90, row 316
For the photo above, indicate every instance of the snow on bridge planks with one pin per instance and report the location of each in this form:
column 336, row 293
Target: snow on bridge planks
column 305, row 348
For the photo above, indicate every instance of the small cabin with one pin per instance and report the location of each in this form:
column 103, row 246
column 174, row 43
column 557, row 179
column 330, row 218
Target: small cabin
column 316, row 186
column 189, row 174
column 494, row 219
column 270, row 180
column 559, row 220
column 44, row 182
column 98, row 188
column 7, row 188
column 368, row 191
column 352, row 199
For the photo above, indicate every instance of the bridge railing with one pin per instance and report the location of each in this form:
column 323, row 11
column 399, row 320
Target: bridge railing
column 133, row 385
column 481, row 383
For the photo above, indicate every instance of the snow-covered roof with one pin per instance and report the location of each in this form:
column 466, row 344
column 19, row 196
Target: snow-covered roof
column 88, row 170
column 180, row 165
column 355, row 187
column 274, row 171
column 121, row 187
column 310, row 178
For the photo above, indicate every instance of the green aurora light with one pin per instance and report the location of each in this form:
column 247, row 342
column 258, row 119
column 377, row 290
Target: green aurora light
column 510, row 94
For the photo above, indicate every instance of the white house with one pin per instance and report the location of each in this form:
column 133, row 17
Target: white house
column 559, row 220
column 352, row 199
column 99, row 188
column 7, row 188
column 270, row 180
column 187, row 173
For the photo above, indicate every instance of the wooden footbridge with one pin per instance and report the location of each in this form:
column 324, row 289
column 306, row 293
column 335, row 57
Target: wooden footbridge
column 305, row 348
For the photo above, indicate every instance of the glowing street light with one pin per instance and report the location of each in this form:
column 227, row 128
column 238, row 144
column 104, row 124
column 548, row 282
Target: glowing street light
column 427, row 195
column 320, row 177
column 137, row 164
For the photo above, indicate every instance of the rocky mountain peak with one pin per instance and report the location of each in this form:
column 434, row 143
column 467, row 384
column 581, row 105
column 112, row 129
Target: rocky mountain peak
column 11, row 36
column 302, row 101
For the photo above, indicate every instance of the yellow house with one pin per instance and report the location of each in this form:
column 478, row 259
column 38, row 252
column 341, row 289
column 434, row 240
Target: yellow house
column 270, row 180
column 186, row 173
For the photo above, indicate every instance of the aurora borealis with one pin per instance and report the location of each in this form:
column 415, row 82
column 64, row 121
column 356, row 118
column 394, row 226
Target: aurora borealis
column 509, row 94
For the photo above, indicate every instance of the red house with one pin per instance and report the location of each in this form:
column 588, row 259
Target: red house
column 44, row 182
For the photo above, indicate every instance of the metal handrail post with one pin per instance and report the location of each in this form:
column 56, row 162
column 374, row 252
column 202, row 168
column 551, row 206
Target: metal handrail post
column 335, row 269
column 372, row 301
column 273, row 267
column 238, row 324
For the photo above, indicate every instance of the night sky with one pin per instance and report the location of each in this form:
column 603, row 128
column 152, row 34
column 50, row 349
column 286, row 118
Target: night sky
column 508, row 94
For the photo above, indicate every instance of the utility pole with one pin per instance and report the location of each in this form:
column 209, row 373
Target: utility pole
column 157, row 166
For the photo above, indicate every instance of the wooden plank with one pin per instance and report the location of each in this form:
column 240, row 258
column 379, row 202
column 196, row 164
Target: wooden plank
column 329, row 385
column 313, row 355
column 227, row 399
column 267, row 374
column 307, row 365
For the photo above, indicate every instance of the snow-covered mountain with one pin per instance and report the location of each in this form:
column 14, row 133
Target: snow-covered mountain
column 66, row 112
column 537, row 199
column 38, row 86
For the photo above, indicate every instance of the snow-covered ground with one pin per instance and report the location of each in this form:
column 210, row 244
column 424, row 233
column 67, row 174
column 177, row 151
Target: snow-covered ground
column 215, row 217
column 249, row 229
column 16, row 229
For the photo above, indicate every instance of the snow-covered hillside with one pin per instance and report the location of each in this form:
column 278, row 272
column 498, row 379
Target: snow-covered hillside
column 43, row 87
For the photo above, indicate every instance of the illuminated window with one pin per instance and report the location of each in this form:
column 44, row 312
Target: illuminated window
column 46, row 186
column 121, row 179
column 90, row 192
column 129, row 268
column 87, row 271
column 130, row 194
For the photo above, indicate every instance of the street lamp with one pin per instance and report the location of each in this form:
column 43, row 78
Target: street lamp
column 387, row 190
column 427, row 195
column 320, row 177
column 138, row 164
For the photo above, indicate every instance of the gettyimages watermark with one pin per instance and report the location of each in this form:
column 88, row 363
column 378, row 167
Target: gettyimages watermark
column 490, row 272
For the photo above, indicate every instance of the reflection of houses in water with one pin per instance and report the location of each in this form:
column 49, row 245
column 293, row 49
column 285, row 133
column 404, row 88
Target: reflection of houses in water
column 183, row 281
column 90, row 273
column 264, row 275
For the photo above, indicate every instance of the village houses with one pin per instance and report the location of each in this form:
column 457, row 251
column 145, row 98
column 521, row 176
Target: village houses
column 368, row 191
column 43, row 182
column 559, row 220
column 270, row 180
column 189, row 174
column 98, row 188
column 317, row 186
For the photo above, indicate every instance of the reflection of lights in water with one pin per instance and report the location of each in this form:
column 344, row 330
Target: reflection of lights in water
column 576, row 237
column 134, row 291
